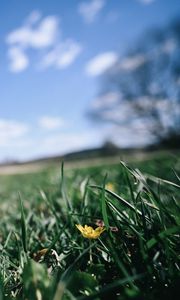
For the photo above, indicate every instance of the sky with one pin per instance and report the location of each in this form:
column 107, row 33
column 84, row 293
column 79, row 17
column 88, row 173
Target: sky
column 52, row 56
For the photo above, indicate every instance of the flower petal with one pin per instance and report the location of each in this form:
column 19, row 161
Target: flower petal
column 89, row 232
column 80, row 227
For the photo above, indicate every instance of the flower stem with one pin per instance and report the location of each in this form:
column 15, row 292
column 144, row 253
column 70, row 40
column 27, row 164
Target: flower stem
column 90, row 253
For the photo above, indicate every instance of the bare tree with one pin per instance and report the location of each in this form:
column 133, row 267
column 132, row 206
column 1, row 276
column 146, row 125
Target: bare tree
column 142, row 90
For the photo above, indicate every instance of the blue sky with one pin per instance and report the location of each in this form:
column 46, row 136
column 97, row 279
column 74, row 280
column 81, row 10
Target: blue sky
column 52, row 56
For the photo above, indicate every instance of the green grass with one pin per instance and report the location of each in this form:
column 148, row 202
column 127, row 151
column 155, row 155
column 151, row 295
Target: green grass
column 44, row 256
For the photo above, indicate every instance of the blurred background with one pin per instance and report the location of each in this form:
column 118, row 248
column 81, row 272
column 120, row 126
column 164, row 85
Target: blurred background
column 88, row 74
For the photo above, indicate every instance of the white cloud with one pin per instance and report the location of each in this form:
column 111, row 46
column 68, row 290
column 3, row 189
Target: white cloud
column 132, row 63
column 63, row 55
column 50, row 123
column 106, row 100
column 129, row 137
column 18, row 59
column 127, row 118
column 100, row 63
column 72, row 141
column 117, row 114
column 11, row 130
column 168, row 46
column 39, row 33
column 49, row 144
column 42, row 35
column 90, row 10
column 34, row 33
column 33, row 18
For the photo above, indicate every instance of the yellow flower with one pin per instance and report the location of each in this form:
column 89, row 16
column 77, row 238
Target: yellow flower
column 110, row 186
column 90, row 233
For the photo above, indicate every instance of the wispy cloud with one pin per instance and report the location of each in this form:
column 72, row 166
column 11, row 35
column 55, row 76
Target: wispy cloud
column 39, row 33
column 90, row 10
column 106, row 100
column 72, row 141
column 11, row 130
column 125, row 137
column 35, row 33
column 63, row 55
column 33, row 17
column 100, row 63
column 132, row 62
column 18, row 59
column 50, row 123
column 169, row 46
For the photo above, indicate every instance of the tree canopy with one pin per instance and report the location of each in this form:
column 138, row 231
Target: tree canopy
column 141, row 92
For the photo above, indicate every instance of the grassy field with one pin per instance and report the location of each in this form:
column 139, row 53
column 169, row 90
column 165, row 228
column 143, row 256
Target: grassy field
column 132, row 255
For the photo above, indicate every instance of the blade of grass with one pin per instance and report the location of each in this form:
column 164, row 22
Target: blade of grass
column 164, row 181
column 110, row 287
column 68, row 273
column 7, row 240
column 120, row 214
column 1, row 287
column 119, row 198
column 153, row 241
column 63, row 189
column 23, row 226
column 104, row 206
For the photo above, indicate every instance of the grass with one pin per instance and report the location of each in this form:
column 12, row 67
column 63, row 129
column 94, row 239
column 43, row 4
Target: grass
column 44, row 256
